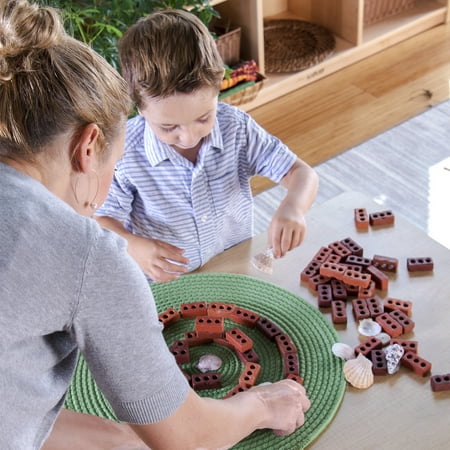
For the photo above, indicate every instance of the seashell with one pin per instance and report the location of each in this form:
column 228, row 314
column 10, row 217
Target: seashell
column 393, row 355
column 383, row 337
column 368, row 327
column 343, row 351
column 207, row 363
column 358, row 372
column 264, row 261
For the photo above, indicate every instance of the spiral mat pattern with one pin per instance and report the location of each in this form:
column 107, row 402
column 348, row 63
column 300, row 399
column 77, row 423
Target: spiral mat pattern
column 310, row 331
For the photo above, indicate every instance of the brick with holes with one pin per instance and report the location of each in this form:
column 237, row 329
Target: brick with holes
column 219, row 309
column 236, row 390
column 285, row 344
column 386, row 263
column 180, row 350
column 381, row 218
column 291, row 364
column 338, row 290
column 420, row 264
column 360, row 309
column 366, row 347
column 294, row 377
column 406, row 322
column 338, row 311
column 407, row 344
column 244, row 317
column 356, row 278
column 322, row 254
column 309, row 271
column 332, row 270
column 210, row 380
column 392, row 304
column 169, row 317
column 250, row 374
column 367, row 292
column 238, row 339
column 375, row 306
column 339, row 249
column 353, row 246
column 212, row 327
column 440, row 383
column 324, row 295
column 379, row 364
column 380, row 278
column 416, row 363
column 193, row 309
column 361, row 218
column 268, row 328
column 389, row 325
column 194, row 340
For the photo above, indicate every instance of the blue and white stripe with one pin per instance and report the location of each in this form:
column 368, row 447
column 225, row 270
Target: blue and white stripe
column 203, row 208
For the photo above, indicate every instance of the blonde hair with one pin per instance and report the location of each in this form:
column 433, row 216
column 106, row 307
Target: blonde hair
column 169, row 52
column 51, row 84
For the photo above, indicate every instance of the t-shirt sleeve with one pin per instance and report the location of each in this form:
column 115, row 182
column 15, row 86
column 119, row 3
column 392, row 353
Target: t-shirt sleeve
column 267, row 155
column 119, row 202
column 117, row 329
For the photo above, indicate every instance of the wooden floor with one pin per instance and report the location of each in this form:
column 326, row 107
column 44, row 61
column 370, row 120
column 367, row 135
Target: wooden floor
column 351, row 106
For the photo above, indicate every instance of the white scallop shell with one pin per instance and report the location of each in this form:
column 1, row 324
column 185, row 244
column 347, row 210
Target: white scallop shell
column 358, row 372
column 343, row 351
column 393, row 354
column 368, row 327
column 209, row 362
column 383, row 337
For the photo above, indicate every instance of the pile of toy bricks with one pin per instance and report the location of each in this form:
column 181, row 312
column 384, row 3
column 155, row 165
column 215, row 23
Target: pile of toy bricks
column 339, row 272
column 210, row 327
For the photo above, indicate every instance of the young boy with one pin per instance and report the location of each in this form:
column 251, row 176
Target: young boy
column 181, row 193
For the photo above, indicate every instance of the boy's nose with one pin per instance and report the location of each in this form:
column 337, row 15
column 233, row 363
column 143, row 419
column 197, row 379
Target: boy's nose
column 187, row 138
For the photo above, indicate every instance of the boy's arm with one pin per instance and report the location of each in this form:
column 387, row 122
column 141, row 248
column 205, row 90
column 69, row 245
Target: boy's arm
column 288, row 226
column 207, row 423
column 153, row 256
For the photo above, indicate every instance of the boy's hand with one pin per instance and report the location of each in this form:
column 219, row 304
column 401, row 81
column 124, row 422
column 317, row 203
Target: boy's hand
column 159, row 260
column 286, row 231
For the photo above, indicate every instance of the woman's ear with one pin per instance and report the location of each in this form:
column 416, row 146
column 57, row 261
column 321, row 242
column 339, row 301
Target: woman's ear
column 84, row 153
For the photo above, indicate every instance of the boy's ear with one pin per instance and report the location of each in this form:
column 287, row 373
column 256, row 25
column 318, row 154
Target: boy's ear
column 84, row 155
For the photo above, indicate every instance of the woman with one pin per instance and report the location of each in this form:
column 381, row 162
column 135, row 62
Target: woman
column 66, row 285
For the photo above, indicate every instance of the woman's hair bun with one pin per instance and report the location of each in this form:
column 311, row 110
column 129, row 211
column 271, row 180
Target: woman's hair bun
column 25, row 30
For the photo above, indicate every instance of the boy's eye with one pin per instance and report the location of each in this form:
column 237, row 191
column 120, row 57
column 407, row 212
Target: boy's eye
column 204, row 119
column 168, row 129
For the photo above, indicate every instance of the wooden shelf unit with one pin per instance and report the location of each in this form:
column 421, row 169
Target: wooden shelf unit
column 345, row 18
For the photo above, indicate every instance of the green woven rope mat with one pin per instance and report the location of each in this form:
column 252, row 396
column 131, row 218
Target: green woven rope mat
column 311, row 332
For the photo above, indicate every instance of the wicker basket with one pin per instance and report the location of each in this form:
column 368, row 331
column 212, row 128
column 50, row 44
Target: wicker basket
column 245, row 95
column 377, row 10
column 229, row 45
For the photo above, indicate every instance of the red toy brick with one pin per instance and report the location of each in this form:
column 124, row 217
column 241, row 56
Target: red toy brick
column 339, row 248
column 379, row 364
column 317, row 279
column 356, row 278
column 238, row 339
column 194, row 340
column 322, row 254
column 415, row 363
column 392, row 304
column 250, row 374
column 219, row 309
column 169, row 316
column 310, row 270
column 375, row 306
column 366, row 347
column 294, row 377
column 248, row 356
column 381, row 218
column 324, row 295
column 285, row 344
column 440, row 383
column 338, row 311
column 194, row 309
column 236, row 390
column 334, row 259
column 180, row 349
column 367, row 292
column 385, row 263
column 361, row 219
column 352, row 291
column 338, row 290
column 408, row 345
column 380, row 278
column 291, row 364
column 406, row 322
column 358, row 260
column 268, row 328
column 422, row 264
column 332, row 270
column 354, row 247
column 389, row 325
column 212, row 327
column 210, row 380
column 360, row 309
column 222, row 341
column 244, row 317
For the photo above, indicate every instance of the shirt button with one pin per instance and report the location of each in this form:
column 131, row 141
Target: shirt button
column 204, row 218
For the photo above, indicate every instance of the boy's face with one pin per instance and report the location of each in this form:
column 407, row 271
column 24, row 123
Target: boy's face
column 182, row 120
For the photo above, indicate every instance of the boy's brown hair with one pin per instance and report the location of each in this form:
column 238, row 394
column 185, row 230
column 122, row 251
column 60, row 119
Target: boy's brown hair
column 169, row 52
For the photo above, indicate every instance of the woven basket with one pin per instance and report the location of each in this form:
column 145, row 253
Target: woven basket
column 377, row 10
column 229, row 45
column 292, row 45
column 244, row 95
